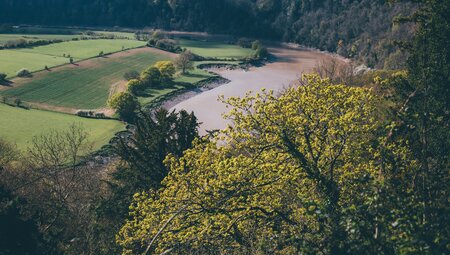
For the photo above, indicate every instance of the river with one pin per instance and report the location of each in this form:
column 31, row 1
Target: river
column 288, row 65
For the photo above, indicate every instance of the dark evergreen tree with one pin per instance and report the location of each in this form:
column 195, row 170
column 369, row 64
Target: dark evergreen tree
column 154, row 136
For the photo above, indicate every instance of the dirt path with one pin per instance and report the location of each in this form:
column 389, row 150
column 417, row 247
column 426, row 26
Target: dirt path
column 289, row 65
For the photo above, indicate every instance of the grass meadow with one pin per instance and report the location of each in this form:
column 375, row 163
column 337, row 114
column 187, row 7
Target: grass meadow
column 20, row 126
column 83, row 87
column 35, row 37
column 220, row 50
column 65, row 37
column 36, row 58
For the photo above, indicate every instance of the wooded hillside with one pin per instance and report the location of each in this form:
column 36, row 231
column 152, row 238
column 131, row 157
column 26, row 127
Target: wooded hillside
column 354, row 28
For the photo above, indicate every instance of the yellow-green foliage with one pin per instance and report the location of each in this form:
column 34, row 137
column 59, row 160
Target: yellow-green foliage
column 166, row 68
column 134, row 85
column 268, row 179
column 124, row 103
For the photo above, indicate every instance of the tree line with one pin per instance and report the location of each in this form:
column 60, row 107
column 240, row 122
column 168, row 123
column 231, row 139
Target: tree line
column 360, row 29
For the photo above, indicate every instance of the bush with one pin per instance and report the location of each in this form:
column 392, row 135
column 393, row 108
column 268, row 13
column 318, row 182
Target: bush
column 2, row 76
column 130, row 75
column 157, row 36
column 168, row 45
column 101, row 53
column 244, row 43
column 100, row 115
column 134, row 86
column 125, row 105
column 91, row 114
column 256, row 45
column 262, row 53
column 17, row 102
column 152, row 42
column 151, row 77
column 82, row 114
column 167, row 69
column 23, row 73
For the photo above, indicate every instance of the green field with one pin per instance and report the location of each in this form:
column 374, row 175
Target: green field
column 19, row 126
column 195, row 75
column 37, row 58
column 12, row 61
column 219, row 50
column 152, row 94
column 35, row 37
column 65, row 37
column 82, row 87
column 118, row 34
column 84, row 49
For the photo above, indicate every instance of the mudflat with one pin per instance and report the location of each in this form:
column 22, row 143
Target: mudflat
column 289, row 64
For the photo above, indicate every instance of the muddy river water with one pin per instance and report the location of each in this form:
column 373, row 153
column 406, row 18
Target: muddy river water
column 289, row 64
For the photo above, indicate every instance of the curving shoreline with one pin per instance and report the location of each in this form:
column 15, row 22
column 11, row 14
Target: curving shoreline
column 189, row 93
column 288, row 66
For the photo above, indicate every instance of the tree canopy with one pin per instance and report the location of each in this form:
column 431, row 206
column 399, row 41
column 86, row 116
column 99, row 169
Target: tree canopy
column 292, row 175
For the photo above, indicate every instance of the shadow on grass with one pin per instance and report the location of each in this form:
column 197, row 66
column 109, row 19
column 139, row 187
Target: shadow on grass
column 6, row 83
column 145, row 94
column 195, row 75
column 153, row 92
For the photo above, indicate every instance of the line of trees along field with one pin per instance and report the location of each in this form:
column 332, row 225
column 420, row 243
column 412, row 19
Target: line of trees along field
column 359, row 28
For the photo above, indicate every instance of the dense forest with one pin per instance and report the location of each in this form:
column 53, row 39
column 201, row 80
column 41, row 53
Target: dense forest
column 361, row 29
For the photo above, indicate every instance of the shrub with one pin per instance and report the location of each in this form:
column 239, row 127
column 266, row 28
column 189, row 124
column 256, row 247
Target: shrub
column 2, row 76
column 101, row 53
column 262, row 53
column 17, row 102
column 167, row 69
column 100, row 115
column 151, row 77
column 244, row 43
column 256, row 45
column 157, row 35
column 168, row 44
column 130, row 75
column 19, row 43
column 82, row 114
column 125, row 105
column 23, row 73
column 134, row 86
column 152, row 42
